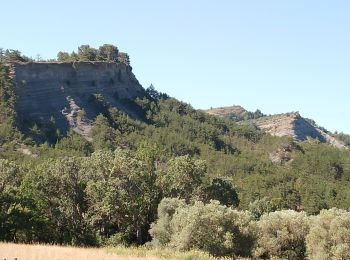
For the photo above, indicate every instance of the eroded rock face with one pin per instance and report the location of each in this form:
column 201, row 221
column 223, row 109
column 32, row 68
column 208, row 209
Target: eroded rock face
column 283, row 154
column 77, row 119
column 292, row 124
column 288, row 124
column 61, row 90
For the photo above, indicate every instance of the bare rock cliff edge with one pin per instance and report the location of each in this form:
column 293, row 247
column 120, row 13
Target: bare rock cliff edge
column 61, row 90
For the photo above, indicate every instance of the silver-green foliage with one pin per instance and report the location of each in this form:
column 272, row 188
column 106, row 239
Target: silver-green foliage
column 211, row 227
column 262, row 206
column 161, row 230
column 282, row 235
column 329, row 236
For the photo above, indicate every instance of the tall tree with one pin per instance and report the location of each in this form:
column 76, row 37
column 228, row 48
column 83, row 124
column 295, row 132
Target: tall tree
column 124, row 58
column 108, row 52
column 121, row 194
column 86, row 53
column 58, row 190
column 63, row 56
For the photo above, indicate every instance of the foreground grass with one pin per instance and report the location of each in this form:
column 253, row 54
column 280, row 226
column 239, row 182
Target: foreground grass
column 52, row 252
column 155, row 253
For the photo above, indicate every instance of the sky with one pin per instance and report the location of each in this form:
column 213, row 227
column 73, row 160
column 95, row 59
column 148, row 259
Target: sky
column 273, row 55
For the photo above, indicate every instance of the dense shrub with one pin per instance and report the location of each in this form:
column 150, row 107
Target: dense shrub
column 214, row 228
column 282, row 235
column 262, row 206
column 329, row 236
column 161, row 230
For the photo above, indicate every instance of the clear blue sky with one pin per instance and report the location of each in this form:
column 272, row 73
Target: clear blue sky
column 278, row 56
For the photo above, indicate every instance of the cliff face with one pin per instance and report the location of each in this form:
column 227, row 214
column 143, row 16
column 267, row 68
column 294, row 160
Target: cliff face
column 62, row 90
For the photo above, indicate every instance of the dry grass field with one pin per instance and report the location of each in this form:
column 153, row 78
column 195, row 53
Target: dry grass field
column 45, row 252
column 11, row 251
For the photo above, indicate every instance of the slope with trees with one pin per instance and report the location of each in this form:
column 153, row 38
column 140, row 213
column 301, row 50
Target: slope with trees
column 174, row 176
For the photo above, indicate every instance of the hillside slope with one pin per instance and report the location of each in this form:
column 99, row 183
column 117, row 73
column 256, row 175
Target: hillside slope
column 226, row 111
column 287, row 124
column 292, row 124
column 67, row 189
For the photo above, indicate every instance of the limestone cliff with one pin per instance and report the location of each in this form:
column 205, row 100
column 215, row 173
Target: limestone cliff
column 62, row 90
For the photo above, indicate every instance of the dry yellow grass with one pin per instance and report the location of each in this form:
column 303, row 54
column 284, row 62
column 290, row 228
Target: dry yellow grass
column 46, row 252
column 11, row 251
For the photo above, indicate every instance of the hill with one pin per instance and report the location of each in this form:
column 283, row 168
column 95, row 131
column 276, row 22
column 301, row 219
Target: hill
column 146, row 161
column 227, row 111
column 292, row 124
column 287, row 124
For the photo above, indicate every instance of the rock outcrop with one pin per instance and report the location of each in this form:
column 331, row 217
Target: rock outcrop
column 292, row 124
column 64, row 89
column 288, row 124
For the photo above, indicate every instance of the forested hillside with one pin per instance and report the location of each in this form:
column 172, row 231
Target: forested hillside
column 206, row 174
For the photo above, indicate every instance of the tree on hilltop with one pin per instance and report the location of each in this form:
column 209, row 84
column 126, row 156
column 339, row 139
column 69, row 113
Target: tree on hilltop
column 86, row 53
column 108, row 52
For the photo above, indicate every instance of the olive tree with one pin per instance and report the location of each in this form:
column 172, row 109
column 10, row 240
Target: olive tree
column 329, row 236
column 161, row 230
column 217, row 229
column 282, row 235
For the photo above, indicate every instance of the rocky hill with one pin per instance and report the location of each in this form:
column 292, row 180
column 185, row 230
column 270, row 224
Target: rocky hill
column 226, row 111
column 63, row 90
column 288, row 124
column 72, row 94
column 292, row 124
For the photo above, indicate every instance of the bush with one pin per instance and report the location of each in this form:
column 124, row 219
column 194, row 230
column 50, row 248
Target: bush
column 160, row 230
column 262, row 206
column 329, row 236
column 118, row 239
column 212, row 227
column 282, row 235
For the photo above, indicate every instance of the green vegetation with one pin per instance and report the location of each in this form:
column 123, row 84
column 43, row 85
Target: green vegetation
column 217, row 229
column 343, row 137
column 175, row 177
column 162, row 253
column 106, row 52
column 329, row 235
column 281, row 235
column 246, row 115
column 12, row 56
